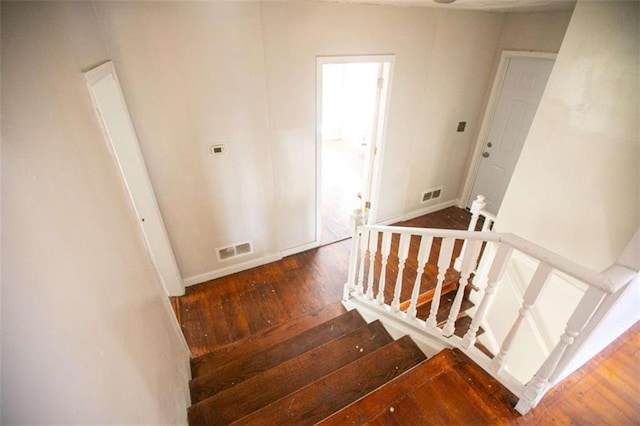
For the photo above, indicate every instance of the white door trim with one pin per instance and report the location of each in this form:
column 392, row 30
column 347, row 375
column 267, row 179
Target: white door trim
column 380, row 136
column 153, row 230
column 487, row 120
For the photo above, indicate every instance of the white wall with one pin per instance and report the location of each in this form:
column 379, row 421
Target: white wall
column 576, row 188
column 194, row 76
column 87, row 331
column 243, row 73
column 457, row 78
column 536, row 32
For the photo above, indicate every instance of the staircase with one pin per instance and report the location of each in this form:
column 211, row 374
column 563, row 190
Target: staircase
column 320, row 367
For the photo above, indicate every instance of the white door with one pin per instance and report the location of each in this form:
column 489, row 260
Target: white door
column 113, row 116
column 522, row 89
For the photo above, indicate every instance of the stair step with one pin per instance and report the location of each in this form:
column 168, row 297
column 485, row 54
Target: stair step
column 447, row 389
column 262, row 389
column 259, row 341
column 234, row 372
column 427, row 296
column 320, row 399
column 446, row 301
column 379, row 400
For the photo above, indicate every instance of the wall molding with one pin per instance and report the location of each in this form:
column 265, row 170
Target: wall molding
column 419, row 212
column 218, row 273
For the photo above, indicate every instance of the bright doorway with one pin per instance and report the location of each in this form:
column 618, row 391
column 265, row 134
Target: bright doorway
column 352, row 100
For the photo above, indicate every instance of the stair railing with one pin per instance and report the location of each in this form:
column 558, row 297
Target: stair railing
column 380, row 251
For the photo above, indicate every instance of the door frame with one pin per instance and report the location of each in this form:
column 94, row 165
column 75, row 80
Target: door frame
column 154, row 234
column 381, row 122
column 487, row 120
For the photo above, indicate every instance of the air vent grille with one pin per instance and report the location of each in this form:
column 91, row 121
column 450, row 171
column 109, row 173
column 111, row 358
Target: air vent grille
column 431, row 195
column 229, row 252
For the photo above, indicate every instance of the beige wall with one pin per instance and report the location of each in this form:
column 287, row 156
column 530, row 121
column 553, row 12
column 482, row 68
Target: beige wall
column 243, row 73
column 535, row 32
column 193, row 74
column 576, row 188
column 87, row 332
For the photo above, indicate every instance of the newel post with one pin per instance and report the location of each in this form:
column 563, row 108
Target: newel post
column 357, row 220
column 476, row 207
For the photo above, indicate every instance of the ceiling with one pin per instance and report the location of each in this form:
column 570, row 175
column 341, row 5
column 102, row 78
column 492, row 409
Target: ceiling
column 486, row 5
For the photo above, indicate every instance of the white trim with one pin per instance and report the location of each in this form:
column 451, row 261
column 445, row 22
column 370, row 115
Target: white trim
column 211, row 275
column 505, row 57
column 377, row 163
column 419, row 212
column 299, row 249
column 143, row 202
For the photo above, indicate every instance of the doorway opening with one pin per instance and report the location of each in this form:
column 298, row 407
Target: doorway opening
column 352, row 97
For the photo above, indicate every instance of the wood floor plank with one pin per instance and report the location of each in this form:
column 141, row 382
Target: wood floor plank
column 379, row 400
column 316, row 401
column 305, row 282
column 241, row 368
column 266, row 338
column 260, row 390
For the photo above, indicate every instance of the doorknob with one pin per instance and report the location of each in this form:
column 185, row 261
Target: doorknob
column 485, row 154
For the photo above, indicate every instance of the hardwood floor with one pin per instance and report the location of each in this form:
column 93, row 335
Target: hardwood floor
column 250, row 303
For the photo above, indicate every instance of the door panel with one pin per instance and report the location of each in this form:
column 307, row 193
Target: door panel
column 522, row 89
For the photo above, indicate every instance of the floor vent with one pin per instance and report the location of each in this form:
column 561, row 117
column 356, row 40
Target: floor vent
column 431, row 195
column 227, row 253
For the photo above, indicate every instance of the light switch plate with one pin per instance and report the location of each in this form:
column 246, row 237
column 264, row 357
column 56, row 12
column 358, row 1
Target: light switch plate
column 219, row 149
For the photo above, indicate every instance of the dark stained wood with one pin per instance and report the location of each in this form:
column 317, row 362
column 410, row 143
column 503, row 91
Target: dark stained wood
column 447, row 389
column 605, row 391
column 240, row 369
column 267, row 338
column 315, row 402
column 262, row 389
column 382, row 398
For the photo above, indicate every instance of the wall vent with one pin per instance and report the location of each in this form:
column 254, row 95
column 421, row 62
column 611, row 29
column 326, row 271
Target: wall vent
column 431, row 195
column 229, row 252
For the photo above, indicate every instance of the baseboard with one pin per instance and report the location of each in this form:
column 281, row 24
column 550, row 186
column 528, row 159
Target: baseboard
column 211, row 275
column 420, row 212
column 299, row 249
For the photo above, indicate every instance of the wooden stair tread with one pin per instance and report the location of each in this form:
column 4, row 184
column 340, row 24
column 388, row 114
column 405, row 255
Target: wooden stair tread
column 318, row 400
column 264, row 339
column 262, row 389
column 380, row 400
column 234, row 372
column 446, row 301
column 457, row 391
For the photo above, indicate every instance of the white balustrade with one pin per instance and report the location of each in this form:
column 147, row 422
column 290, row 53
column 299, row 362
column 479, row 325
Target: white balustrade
column 403, row 252
column 373, row 249
column 444, row 260
column 495, row 262
column 531, row 296
column 385, row 251
column 364, row 240
column 423, row 256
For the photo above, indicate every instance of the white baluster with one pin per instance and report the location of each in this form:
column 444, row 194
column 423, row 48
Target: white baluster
column 468, row 266
column 423, row 258
column 496, row 272
column 356, row 222
column 403, row 252
column 444, row 261
column 373, row 249
column 476, row 206
column 531, row 296
column 385, row 250
column 364, row 240
column 534, row 390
